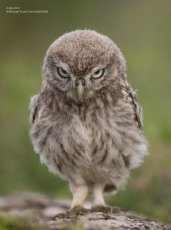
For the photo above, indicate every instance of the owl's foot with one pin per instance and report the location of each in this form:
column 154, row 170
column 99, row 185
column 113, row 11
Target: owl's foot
column 103, row 209
column 77, row 211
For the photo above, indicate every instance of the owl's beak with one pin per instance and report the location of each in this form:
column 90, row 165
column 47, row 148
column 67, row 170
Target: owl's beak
column 79, row 86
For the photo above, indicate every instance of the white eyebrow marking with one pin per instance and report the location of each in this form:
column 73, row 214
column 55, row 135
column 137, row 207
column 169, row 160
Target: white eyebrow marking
column 97, row 68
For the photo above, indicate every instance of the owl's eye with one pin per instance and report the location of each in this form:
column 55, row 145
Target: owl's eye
column 98, row 73
column 62, row 73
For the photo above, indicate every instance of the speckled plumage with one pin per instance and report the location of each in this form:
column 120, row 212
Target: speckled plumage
column 95, row 140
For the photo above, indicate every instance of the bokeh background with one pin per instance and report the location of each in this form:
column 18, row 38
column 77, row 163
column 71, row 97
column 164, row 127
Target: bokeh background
column 142, row 29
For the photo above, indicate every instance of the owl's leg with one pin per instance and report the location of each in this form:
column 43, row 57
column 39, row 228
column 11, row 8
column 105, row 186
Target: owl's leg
column 98, row 199
column 80, row 193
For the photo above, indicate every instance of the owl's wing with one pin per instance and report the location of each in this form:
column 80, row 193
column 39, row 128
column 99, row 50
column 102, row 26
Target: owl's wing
column 34, row 108
column 132, row 99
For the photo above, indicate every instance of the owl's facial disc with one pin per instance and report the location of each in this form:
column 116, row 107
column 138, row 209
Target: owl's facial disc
column 79, row 55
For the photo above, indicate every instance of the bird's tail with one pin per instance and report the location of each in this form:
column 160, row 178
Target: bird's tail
column 110, row 189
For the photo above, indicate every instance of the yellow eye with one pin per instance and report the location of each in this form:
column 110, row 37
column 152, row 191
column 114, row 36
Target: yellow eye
column 62, row 73
column 98, row 74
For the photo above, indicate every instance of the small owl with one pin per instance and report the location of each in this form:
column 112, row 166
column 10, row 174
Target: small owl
column 86, row 123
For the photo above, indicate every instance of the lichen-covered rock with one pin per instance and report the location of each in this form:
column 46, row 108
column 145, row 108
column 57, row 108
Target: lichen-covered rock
column 30, row 211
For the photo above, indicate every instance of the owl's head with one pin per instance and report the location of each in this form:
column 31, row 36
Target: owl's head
column 82, row 63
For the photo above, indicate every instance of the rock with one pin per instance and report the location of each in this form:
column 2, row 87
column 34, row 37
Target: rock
column 37, row 211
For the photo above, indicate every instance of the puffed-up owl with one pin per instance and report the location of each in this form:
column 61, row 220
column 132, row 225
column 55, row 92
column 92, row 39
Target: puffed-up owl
column 86, row 123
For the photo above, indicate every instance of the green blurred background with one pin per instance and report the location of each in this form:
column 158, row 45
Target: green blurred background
column 142, row 29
